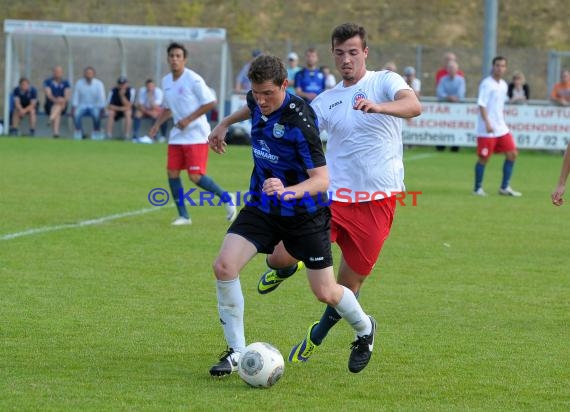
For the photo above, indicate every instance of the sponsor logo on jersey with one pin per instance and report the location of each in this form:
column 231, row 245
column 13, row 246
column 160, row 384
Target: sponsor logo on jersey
column 335, row 104
column 264, row 152
column 278, row 130
column 264, row 146
column 358, row 96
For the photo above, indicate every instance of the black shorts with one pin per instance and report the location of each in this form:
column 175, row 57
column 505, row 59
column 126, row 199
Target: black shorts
column 49, row 104
column 306, row 237
column 119, row 114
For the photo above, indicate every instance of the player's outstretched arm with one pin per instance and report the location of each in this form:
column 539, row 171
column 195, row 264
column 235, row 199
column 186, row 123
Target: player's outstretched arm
column 217, row 138
column 558, row 194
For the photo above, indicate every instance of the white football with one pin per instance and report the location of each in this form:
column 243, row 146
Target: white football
column 261, row 365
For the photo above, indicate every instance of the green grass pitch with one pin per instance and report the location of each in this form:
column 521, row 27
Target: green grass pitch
column 471, row 294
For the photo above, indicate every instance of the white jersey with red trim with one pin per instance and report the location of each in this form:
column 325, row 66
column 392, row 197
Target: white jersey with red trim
column 364, row 150
column 182, row 97
column 492, row 96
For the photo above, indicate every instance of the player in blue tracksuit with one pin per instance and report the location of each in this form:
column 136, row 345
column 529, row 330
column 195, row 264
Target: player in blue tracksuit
column 288, row 185
column 310, row 80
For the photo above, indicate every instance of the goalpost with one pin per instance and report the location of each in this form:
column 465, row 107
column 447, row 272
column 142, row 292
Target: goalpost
column 33, row 48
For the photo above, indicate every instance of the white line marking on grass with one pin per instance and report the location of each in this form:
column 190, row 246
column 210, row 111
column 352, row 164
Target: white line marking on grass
column 82, row 223
column 419, row 156
column 108, row 218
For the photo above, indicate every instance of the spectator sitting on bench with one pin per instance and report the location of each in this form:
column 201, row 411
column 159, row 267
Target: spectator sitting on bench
column 148, row 106
column 88, row 100
column 120, row 104
column 25, row 104
column 58, row 92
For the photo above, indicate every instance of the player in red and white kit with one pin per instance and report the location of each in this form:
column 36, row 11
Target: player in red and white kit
column 362, row 116
column 493, row 134
column 187, row 99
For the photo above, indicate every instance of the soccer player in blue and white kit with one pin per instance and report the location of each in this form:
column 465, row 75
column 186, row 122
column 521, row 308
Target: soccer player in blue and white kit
column 288, row 204
column 363, row 118
column 187, row 99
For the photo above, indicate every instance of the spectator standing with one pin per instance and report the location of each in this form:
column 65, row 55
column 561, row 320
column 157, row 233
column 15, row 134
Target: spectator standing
column 447, row 57
column 292, row 69
column 243, row 84
column 451, row 87
column 58, row 93
column 25, row 104
column 330, row 80
column 412, row 80
column 310, row 81
column 561, row 90
column 88, row 100
column 519, row 91
column 120, row 105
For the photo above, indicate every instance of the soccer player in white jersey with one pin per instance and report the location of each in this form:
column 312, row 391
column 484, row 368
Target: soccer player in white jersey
column 363, row 118
column 187, row 99
column 493, row 134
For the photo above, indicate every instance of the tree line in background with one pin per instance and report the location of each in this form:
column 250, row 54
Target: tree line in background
column 527, row 29
column 522, row 23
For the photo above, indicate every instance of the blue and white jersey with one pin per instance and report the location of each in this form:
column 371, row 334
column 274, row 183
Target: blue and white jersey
column 285, row 145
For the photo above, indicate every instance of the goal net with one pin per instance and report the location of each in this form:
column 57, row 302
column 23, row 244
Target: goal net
column 33, row 48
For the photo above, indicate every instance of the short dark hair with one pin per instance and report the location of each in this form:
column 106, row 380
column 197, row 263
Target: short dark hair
column 23, row 79
column 175, row 45
column 347, row 31
column 267, row 67
column 498, row 58
column 149, row 81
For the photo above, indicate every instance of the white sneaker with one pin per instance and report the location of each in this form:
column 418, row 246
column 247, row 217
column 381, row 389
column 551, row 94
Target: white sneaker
column 77, row 135
column 180, row 221
column 162, row 139
column 479, row 192
column 231, row 208
column 145, row 139
column 508, row 191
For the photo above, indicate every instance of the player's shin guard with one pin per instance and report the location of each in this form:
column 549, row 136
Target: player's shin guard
column 329, row 318
column 507, row 173
column 207, row 183
column 350, row 309
column 230, row 309
column 479, row 172
column 176, row 189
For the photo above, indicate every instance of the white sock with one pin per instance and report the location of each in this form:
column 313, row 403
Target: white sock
column 350, row 309
column 230, row 308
